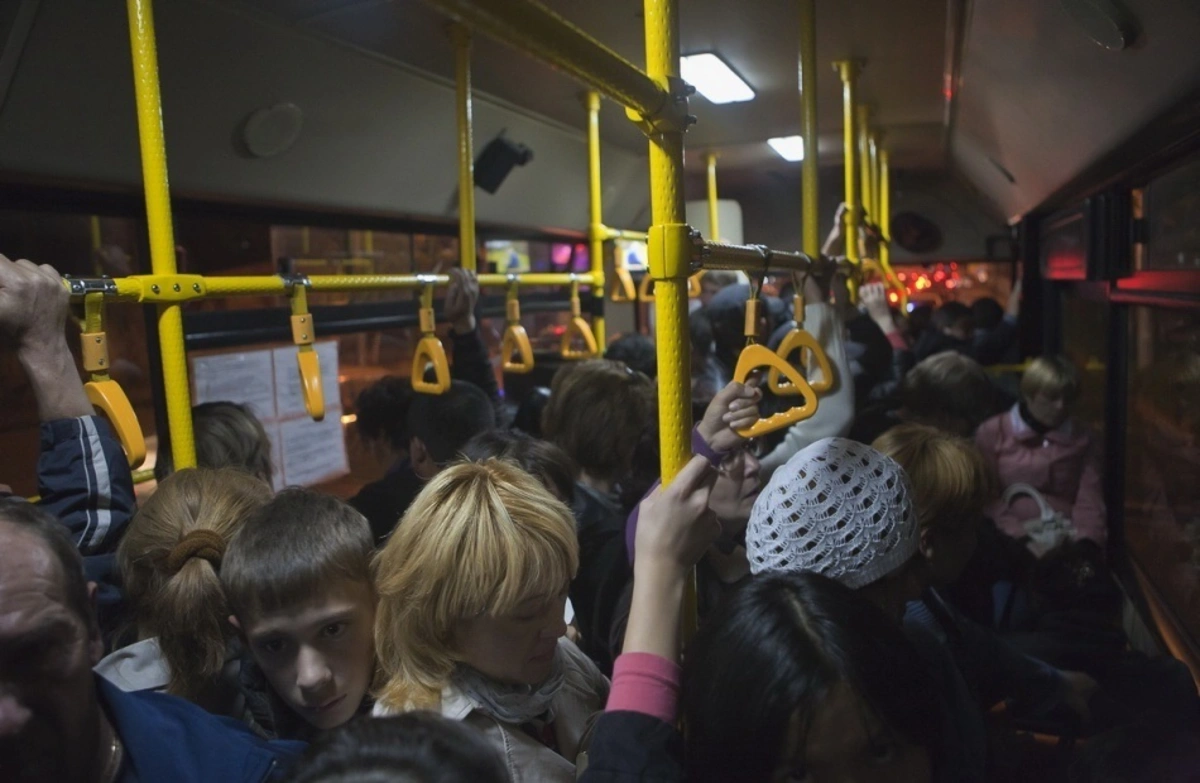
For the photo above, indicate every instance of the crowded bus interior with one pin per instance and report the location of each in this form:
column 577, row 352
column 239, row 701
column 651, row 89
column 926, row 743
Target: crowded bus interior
column 641, row 390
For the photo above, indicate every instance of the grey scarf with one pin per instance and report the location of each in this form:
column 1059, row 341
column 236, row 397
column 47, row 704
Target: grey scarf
column 512, row 704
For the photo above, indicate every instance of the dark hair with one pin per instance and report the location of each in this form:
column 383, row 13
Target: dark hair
column 416, row 747
column 382, row 410
column 528, row 418
column 919, row 320
column 598, row 410
column 228, row 435
column 544, row 461
column 773, row 651
column 291, row 549
column 28, row 517
column 700, row 330
column 949, row 391
column 445, row 422
column 986, row 313
column 636, row 351
column 950, row 315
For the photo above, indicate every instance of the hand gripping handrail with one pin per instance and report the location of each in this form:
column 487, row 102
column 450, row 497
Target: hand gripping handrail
column 102, row 391
column 515, row 339
column 755, row 356
column 307, row 360
column 578, row 327
column 429, row 350
column 799, row 338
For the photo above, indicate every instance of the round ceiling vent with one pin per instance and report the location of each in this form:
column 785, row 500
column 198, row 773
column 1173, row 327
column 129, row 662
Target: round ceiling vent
column 1106, row 22
column 272, row 131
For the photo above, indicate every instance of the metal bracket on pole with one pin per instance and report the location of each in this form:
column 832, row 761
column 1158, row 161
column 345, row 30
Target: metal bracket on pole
column 673, row 116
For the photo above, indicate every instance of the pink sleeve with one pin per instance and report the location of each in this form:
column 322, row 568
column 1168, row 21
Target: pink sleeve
column 645, row 683
column 1089, row 513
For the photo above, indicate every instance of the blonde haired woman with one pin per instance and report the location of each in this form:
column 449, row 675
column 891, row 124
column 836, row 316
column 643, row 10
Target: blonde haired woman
column 169, row 560
column 470, row 620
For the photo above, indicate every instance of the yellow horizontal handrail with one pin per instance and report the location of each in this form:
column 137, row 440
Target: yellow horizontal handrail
column 544, row 35
column 180, row 288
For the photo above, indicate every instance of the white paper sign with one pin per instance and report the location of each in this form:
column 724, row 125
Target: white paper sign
column 313, row 451
column 289, row 400
column 246, row 377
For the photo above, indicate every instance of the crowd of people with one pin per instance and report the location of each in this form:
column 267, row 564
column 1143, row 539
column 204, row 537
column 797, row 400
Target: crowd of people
column 902, row 587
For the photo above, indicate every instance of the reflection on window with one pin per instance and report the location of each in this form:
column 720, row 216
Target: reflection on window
column 1172, row 205
column 1085, row 343
column 1163, row 468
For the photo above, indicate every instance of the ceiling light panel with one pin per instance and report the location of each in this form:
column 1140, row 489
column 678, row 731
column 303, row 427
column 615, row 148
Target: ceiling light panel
column 714, row 79
column 789, row 147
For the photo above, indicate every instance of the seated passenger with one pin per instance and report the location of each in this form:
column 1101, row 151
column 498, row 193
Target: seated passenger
column 438, row 426
column 169, row 560
column 298, row 581
column 471, row 594
column 635, row 351
column 1038, row 444
column 58, row 720
column 419, row 747
column 597, row 413
column 228, row 435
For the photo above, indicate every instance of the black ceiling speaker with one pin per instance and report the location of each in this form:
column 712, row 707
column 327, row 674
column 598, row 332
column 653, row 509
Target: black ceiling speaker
column 497, row 160
column 916, row 234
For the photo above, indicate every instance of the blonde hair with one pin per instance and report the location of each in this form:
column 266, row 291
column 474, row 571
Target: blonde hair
column 951, row 480
column 1054, row 376
column 169, row 560
column 481, row 538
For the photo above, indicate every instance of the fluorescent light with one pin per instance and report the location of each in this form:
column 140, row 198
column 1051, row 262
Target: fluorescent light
column 789, row 147
column 713, row 78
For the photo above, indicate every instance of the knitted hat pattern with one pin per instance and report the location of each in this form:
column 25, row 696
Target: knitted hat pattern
column 837, row 508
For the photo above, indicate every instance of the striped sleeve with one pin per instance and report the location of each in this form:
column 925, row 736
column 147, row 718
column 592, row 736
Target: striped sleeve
column 85, row 481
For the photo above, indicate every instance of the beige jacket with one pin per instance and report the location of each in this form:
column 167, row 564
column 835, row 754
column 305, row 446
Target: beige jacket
column 584, row 692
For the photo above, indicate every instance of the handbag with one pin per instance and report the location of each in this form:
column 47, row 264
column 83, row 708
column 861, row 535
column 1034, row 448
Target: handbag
column 1047, row 531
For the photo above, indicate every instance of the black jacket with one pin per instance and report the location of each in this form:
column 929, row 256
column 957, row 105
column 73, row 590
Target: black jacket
column 632, row 746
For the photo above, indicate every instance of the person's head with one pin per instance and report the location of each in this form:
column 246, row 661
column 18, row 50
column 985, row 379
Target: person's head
column 528, row 418
column 797, row 678
column 439, row 425
column 416, row 747
column 841, row 509
column 170, row 559
column 986, row 313
column 953, row 319
column 700, row 332
column 919, row 319
column 1048, row 388
column 713, row 281
column 948, row 391
column 598, row 410
column 298, row 580
column 382, row 411
column 727, row 314
column 476, row 574
column 543, row 460
column 228, row 435
column 737, row 485
column 952, row 483
column 50, row 719
column 636, row 351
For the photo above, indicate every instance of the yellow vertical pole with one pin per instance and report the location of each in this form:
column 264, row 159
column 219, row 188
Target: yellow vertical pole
column 596, row 233
column 466, row 148
column 669, row 257
column 808, row 128
column 862, row 128
column 848, row 70
column 885, row 230
column 158, row 219
column 714, row 230
column 873, row 157
column 669, row 261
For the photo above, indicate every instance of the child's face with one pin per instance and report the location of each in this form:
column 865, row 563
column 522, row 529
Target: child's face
column 319, row 657
column 517, row 647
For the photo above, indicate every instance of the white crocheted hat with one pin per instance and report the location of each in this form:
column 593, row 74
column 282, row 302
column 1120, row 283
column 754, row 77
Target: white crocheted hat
column 837, row 508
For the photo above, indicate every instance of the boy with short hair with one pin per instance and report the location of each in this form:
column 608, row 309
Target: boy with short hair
column 297, row 577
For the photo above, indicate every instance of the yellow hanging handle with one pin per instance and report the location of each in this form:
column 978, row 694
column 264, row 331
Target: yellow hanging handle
column 755, row 356
column 102, row 391
column 623, row 289
column 577, row 327
column 429, row 351
column 799, row 339
column 307, row 360
column 694, row 286
column 515, row 340
column 646, row 289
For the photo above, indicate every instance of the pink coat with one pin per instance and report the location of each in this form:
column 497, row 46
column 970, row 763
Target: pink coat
column 1063, row 465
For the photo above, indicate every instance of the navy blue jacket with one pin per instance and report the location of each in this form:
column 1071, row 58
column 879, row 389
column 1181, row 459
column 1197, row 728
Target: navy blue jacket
column 632, row 746
column 172, row 740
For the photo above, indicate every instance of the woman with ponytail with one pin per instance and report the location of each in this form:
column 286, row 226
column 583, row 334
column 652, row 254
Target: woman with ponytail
column 170, row 559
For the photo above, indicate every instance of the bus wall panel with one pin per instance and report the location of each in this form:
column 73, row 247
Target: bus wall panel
column 376, row 136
